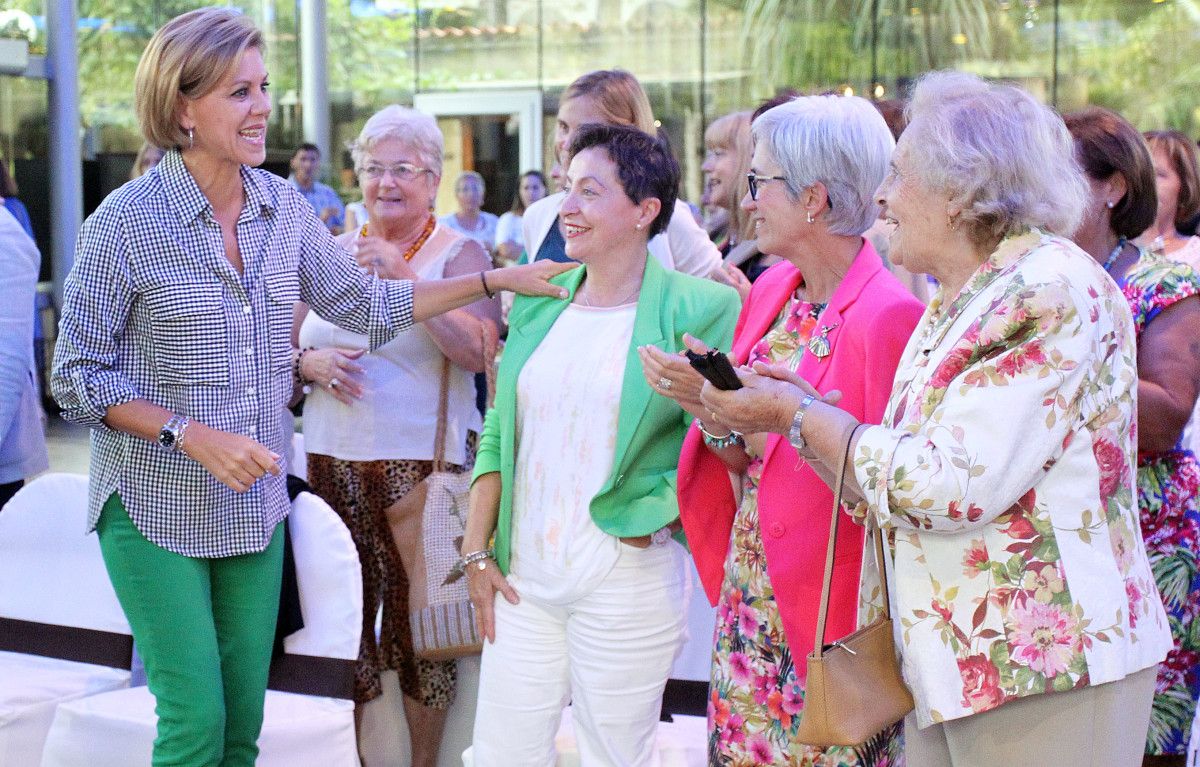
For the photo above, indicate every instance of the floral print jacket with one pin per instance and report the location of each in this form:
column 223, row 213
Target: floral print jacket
column 1004, row 470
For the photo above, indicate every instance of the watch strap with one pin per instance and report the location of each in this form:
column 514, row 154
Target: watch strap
column 795, row 436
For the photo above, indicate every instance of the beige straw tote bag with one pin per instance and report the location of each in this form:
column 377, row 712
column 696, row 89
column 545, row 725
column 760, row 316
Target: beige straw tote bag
column 427, row 527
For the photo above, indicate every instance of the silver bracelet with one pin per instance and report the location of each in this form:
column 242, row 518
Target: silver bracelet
column 475, row 557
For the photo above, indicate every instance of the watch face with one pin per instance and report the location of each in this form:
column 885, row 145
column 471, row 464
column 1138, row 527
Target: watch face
column 166, row 438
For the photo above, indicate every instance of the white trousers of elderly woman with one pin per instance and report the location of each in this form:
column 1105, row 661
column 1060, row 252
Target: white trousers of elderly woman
column 1098, row 726
column 608, row 653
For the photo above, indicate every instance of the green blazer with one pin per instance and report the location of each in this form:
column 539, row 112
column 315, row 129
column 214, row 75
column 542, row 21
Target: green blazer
column 639, row 496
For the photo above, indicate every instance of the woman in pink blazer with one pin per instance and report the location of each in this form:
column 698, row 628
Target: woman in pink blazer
column 833, row 313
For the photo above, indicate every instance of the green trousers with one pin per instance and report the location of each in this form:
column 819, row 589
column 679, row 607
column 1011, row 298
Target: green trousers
column 204, row 628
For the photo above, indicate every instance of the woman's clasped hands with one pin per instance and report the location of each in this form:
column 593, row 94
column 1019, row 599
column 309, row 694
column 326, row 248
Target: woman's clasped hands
column 766, row 403
column 335, row 370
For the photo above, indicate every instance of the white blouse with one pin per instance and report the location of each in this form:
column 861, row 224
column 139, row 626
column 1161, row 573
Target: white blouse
column 397, row 415
column 509, row 229
column 568, row 402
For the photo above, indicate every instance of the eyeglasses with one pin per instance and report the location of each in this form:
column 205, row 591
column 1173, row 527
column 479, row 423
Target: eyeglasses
column 403, row 171
column 754, row 178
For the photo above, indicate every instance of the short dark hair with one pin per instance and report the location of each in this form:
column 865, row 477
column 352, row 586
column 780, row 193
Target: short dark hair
column 645, row 166
column 1106, row 143
column 307, row 147
column 1182, row 154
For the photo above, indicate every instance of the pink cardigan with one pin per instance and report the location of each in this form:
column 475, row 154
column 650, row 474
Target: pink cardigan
column 874, row 315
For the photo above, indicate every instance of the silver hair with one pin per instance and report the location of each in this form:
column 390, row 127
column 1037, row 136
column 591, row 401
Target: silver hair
column 841, row 142
column 415, row 129
column 994, row 149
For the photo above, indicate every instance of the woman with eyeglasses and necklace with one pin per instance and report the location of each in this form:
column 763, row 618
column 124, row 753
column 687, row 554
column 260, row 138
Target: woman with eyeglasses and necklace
column 832, row 312
column 369, row 420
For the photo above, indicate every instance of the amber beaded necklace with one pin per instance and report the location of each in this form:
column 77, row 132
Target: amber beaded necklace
column 417, row 243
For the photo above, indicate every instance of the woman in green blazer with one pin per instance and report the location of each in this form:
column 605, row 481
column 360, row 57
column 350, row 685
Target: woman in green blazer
column 575, row 476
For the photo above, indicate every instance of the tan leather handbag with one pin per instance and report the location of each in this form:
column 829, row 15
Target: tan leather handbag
column 854, row 690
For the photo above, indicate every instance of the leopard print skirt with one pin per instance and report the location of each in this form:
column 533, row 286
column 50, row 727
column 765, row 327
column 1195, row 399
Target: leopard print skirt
column 360, row 492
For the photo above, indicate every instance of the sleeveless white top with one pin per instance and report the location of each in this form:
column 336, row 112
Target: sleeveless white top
column 397, row 415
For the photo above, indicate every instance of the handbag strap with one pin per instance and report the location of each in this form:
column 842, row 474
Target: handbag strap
column 877, row 542
column 488, row 336
column 439, row 436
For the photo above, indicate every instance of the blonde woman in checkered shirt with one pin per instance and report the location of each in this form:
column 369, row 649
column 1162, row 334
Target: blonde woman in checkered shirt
column 175, row 349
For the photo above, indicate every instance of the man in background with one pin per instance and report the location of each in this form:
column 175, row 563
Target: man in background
column 305, row 163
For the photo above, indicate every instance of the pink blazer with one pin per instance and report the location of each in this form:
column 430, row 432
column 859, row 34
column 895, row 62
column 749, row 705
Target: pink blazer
column 874, row 315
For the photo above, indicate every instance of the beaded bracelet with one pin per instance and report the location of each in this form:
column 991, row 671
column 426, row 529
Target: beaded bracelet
column 720, row 443
column 305, row 384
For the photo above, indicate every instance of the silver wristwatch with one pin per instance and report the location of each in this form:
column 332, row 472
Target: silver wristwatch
column 794, row 436
column 170, row 436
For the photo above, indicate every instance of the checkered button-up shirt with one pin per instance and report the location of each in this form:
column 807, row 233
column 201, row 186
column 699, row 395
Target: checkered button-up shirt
column 154, row 310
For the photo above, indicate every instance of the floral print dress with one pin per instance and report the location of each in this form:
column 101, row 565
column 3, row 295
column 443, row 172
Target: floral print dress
column 755, row 697
column 1166, row 488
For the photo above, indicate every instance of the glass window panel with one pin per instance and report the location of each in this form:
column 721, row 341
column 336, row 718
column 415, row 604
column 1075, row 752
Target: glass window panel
column 1133, row 58
column 111, row 38
column 24, row 147
column 657, row 40
column 730, row 84
column 370, row 51
column 25, row 19
column 1009, row 39
column 477, row 44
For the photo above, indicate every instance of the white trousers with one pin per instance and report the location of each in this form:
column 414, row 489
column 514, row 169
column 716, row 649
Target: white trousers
column 609, row 653
column 1098, row 726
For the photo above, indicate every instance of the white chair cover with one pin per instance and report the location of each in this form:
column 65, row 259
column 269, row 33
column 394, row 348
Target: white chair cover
column 50, row 572
column 298, row 459
column 118, row 729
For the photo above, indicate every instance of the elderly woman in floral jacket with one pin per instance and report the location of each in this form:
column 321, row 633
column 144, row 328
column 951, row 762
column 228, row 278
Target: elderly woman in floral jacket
column 1003, row 472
